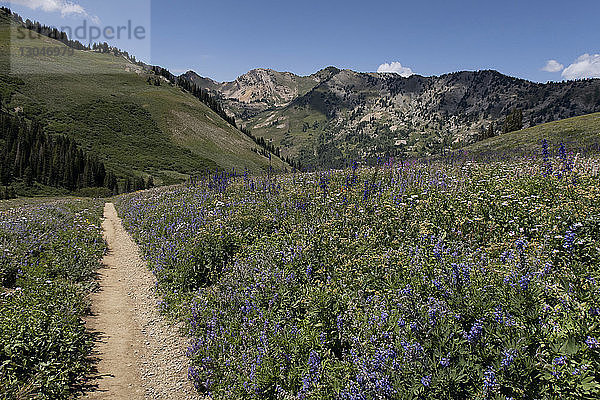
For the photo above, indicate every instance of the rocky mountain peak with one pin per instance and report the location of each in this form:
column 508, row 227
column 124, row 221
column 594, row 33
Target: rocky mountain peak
column 347, row 114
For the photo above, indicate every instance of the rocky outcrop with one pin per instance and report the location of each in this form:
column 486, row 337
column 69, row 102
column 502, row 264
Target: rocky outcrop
column 373, row 114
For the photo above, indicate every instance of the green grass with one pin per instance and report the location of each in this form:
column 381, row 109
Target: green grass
column 105, row 103
column 576, row 133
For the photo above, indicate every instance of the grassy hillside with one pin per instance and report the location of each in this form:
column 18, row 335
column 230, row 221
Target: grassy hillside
column 106, row 104
column 576, row 133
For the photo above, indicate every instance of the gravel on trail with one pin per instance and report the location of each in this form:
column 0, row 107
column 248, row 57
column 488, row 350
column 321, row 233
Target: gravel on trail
column 140, row 355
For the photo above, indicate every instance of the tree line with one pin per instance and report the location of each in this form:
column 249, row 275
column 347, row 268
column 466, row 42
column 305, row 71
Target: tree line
column 28, row 155
column 512, row 122
column 268, row 148
column 201, row 94
column 31, row 155
column 106, row 48
column 45, row 30
column 205, row 97
column 63, row 37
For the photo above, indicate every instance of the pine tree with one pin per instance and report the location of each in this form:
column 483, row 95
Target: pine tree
column 491, row 131
column 513, row 121
column 28, row 176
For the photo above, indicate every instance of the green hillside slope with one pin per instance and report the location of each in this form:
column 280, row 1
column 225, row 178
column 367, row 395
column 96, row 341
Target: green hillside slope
column 105, row 103
column 576, row 133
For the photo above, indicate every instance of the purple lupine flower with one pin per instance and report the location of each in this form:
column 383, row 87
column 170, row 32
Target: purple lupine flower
column 407, row 291
column 312, row 378
column 489, row 379
column 562, row 152
column 508, row 358
column 524, row 281
column 426, row 380
column 592, row 342
column 520, row 244
column 432, row 312
column 546, row 158
column 340, row 323
column 569, row 239
column 475, row 333
column 561, row 360
column 309, row 271
column 194, row 376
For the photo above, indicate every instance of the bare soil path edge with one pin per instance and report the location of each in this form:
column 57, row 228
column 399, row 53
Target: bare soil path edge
column 140, row 356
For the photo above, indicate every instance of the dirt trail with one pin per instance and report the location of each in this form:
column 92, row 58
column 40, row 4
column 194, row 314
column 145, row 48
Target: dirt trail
column 140, row 356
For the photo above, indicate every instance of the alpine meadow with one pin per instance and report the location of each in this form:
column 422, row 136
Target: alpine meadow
column 409, row 233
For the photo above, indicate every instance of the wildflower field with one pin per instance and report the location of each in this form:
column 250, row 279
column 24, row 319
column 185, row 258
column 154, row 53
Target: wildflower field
column 446, row 279
column 49, row 251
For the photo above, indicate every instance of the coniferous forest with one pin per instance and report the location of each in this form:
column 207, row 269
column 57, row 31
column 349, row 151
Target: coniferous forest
column 28, row 156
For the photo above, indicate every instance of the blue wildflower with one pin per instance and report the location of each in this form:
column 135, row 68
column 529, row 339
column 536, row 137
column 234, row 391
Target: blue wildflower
column 309, row 271
column 340, row 323
column 546, row 158
column 461, row 275
column 489, row 379
column 520, row 244
column 312, row 378
column 569, row 239
column 475, row 333
column 426, row 380
column 592, row 342
column 562, row 360
column 524, row 281
column 562, row 153
column 407, row 291
column 508, row 358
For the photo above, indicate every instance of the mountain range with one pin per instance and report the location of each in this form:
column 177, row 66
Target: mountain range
column 141, row 121
column 335, row 115
column 137, row 122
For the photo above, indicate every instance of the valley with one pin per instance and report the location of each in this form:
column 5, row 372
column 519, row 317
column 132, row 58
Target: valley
column 342, row 235
column 106, row 103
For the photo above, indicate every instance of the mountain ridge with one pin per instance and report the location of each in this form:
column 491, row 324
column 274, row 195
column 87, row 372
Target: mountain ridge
column 259, row 89
column 137, row 123
column 344, row 114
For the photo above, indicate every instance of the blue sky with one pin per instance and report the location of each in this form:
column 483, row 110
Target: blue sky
column 224, row 39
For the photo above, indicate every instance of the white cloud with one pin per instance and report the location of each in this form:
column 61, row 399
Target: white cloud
column 586, row 66
column 65, row 7
column 395, row 67
column 553, row 66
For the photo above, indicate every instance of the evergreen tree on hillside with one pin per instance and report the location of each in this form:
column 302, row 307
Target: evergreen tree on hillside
column 32, row 156
column 110, row 182
column 139, row 183
column 513, row 121
column 491, row 131
column 150, row 183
